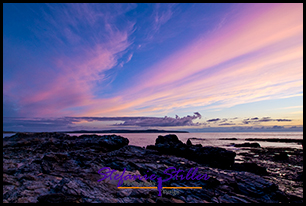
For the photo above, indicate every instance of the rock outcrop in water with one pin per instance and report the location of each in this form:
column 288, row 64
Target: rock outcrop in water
column 58, row 168
column 188, row 143
column 247, row 144
column 212, row 156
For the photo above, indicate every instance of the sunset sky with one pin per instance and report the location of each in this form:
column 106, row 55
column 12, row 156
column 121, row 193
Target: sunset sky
column 192, row 67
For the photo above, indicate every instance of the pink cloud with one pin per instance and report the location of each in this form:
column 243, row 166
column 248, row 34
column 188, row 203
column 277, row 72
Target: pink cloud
column 69, row 81
column 266, row 41
column 260, row 28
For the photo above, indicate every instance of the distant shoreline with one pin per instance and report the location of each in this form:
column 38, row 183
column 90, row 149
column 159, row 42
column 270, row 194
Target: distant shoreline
column 125, row 131
column 159, row 131
column 113, row 131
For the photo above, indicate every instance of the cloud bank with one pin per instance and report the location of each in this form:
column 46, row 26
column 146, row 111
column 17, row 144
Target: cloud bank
column 64, row 123
column 263, row 119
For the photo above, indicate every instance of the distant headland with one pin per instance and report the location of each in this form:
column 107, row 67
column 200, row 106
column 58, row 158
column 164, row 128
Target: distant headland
column 116, row 131
column 125, row 131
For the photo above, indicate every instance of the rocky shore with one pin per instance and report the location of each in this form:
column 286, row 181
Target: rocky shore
column 56, row 168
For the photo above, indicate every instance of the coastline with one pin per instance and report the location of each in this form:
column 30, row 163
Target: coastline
column 48, row 167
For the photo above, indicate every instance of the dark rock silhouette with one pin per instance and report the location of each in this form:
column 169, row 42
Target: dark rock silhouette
column 213, row 156
column 250, row 167
column 274, row 140
column 195, row 138
column 247, row 144
column 188, row 142
column 281, row 156
column 228, row 139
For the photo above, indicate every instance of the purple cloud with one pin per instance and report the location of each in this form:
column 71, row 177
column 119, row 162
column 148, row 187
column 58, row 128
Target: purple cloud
column 264, row 119
column 226, row 124
column 213, row 120
column 48, row 124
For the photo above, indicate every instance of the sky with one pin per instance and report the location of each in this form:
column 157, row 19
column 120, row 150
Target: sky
column 192, row 67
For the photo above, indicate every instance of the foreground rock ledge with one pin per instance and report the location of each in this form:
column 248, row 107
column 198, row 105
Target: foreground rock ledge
column 56, row 168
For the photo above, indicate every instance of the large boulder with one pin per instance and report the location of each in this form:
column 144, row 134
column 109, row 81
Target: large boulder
column 169, row 144
column 168, row 139
column 214, row 156
column 113, row 141
column 188, row 142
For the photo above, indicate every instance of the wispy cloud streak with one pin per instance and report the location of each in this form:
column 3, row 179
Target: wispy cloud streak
column 263, row 119
column 250, row 59
column 82, row 50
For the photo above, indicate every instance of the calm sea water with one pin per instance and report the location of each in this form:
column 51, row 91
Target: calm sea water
column 211, row 139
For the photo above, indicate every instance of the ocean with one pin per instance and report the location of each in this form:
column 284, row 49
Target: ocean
column 211, row 139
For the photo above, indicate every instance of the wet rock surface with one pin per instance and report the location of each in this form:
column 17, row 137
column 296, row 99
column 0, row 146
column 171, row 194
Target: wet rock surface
column 274, row 140
column 283, row 165
column 56, row 168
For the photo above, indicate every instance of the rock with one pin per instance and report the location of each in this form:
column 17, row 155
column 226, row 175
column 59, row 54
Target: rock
column 113, row 142
column 250, row 167
column 25, row 200
column 169, row 139
column 275, row 140
column 138, row 201
column 281, row 156
column 299, row 176
column 151, row 147
column 195, row 138
column 57, row 198
column 9, row 180
column 228, row 139
column 188, row 142
column 247, row 144
column 170, row 145
column 213, row 156
column 177, row 200
column 124, row 193
column 150, row 201
column 163, row 200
